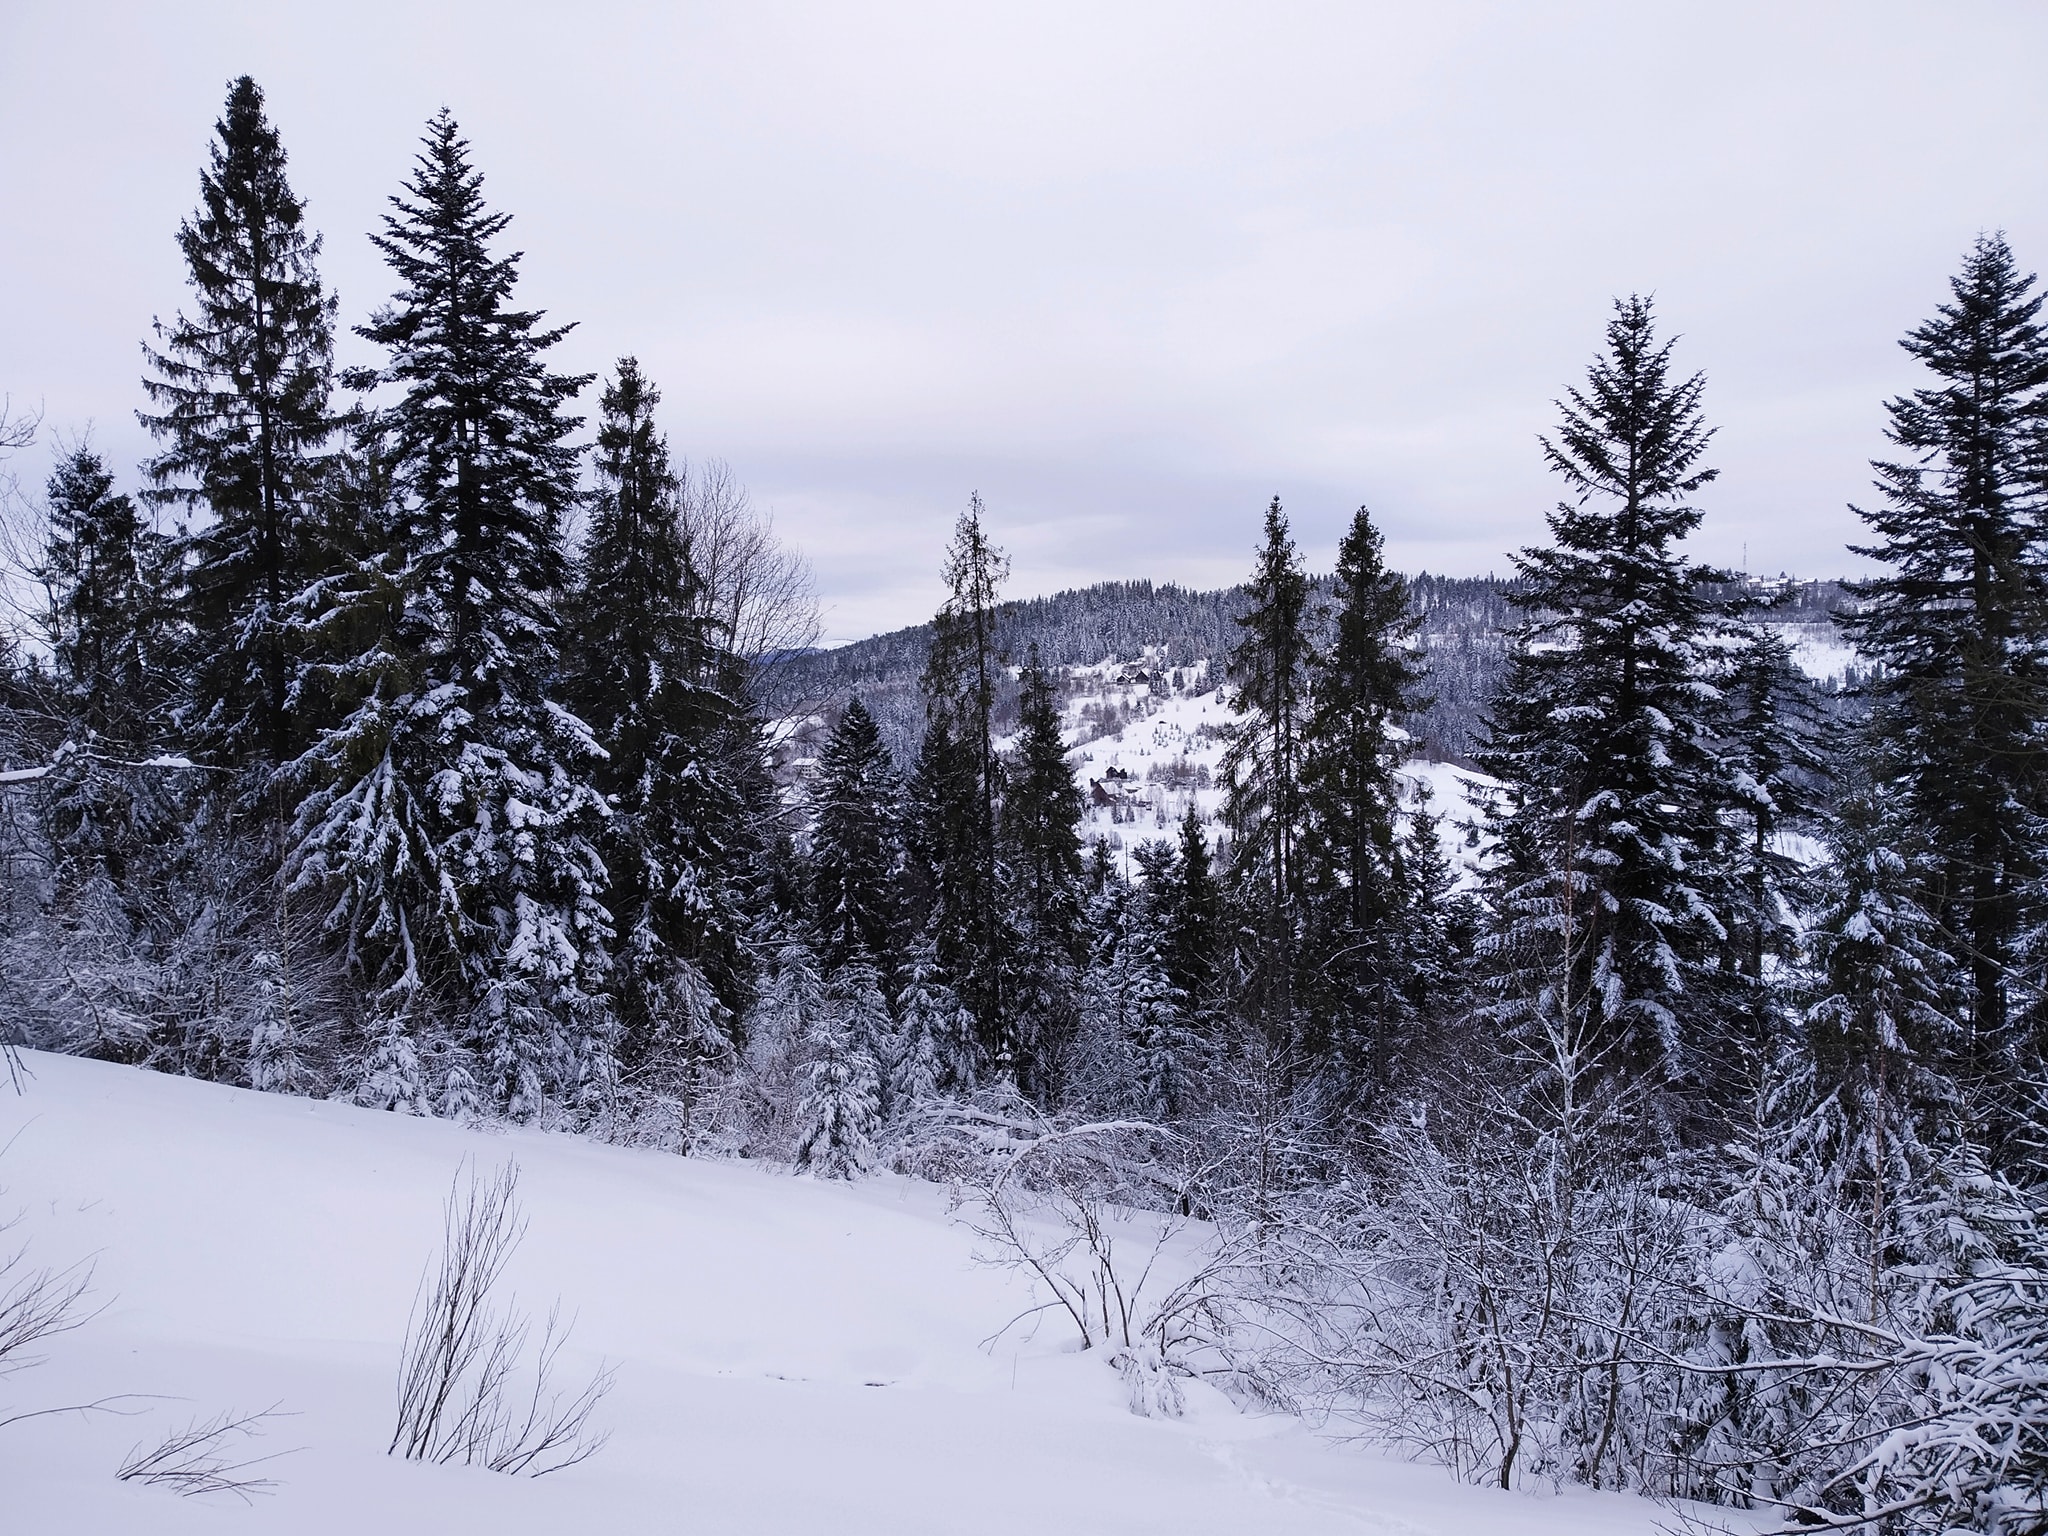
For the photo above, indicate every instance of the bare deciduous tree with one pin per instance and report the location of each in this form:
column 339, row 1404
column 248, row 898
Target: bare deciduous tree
column 756, row 589
column 21, row 530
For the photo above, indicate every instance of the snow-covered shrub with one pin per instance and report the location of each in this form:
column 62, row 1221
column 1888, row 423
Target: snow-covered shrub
column 466, row 1390
column 1095, row 1215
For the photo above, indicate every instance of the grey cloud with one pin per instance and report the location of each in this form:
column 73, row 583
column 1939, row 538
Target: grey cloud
column 1127, row 270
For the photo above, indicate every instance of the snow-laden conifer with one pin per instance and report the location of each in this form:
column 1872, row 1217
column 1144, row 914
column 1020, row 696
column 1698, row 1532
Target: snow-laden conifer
column 1884, row 1034
column 1188, row 912
column 105, row 574
column 118, row 833
column 1959, row 623
column 958, row 788
column 450, row 815
column 1364, row 684
column 1609, row 875
column 856, row 848
column 840, row 1110
column 935, row 1044
column 1138, row 1056
column 240, row 387
column 1264, row 808
column 645, row 667
column 1040, row 827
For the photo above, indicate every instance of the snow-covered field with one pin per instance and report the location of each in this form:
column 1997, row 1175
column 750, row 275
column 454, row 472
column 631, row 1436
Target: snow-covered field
column 793, row 1356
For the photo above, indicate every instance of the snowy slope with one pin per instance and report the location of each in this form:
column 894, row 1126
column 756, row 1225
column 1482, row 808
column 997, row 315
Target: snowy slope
column 1163, row 730
column 793, row 1356
column 1820, row 651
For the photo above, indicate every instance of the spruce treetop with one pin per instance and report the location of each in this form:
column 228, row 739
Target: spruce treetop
column 241, row 384
column 1991, row 353
column 252, row 363
column 478, row 438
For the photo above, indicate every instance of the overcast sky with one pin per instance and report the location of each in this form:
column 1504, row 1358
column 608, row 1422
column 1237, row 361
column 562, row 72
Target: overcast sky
column 1128, row 270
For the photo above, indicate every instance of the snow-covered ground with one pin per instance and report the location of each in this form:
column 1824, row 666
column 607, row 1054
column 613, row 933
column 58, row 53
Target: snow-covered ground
column 792, row 1356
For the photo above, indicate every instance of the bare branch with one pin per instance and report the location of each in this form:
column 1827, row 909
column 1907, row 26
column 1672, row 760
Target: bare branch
column 201, row 1458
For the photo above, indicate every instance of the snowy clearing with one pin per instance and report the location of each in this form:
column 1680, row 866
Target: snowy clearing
column 792, row 1356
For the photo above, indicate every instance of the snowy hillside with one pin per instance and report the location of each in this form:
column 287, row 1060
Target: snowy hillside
column 1148, row 742
column 1098, row 630
column 792, row 1356
column 1144, row 703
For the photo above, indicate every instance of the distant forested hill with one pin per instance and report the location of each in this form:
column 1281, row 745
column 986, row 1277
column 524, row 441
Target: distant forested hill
column 1464, row 621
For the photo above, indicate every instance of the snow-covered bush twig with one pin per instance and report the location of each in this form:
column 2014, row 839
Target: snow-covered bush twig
column 37, row 1304
column 200, row 1459
column 1068, row 1206
column 458, row 1393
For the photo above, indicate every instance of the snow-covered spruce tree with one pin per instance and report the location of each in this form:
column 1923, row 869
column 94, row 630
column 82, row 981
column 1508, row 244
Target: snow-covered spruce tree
column 241, row 403
column 94, row 976
column 102, row 574
column 1362, row 686
column 854, row 993
column 1609, row 877
column 450, row 815
column 840, row 1110
column 935, row 1045
column 1777, row 769
column 856, row 850
column 1264, row 806
column 1967, row 1447
column 787, row 1007
column 1883, row 1036
column 1136, row 1054
column 1188, row 911
column 642, row 666
column 1959, row 624
column 1829, row 1231
column 957, row 793
column 239, row 390
column 1436, row 921
column 1041, row 812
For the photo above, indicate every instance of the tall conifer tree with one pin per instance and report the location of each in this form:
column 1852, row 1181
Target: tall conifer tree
column 1959, row 621
column 114, row 653
column 642, row 668
column 960, row 788
column 1041, row 820
column 241, row 397
column 1363, row 685
column 1609, row 868
column 1777, row 768
column 856, row 842
column 1189, row 911
column 102, row 571
column 1262, row 769
column 452, row 812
